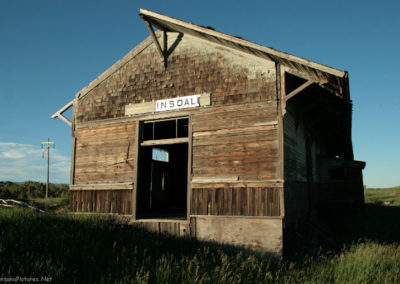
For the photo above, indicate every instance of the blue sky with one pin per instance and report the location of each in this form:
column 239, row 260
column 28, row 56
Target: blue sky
column 50, row 49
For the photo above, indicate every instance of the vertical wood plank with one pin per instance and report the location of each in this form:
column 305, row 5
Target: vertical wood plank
column 189, row 167
column 258, row 201
column 209, row 201
column 243, row 195
column 234, row 201
column 213, row 201
column 205, row 201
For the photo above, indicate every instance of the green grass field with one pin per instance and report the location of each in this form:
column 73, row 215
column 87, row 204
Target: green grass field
column 81, row 249
column 385, row 196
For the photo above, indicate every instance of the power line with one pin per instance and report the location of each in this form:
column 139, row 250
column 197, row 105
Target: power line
column 48, row 144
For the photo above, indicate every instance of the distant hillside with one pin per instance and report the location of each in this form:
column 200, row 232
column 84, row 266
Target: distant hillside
column 385, row 196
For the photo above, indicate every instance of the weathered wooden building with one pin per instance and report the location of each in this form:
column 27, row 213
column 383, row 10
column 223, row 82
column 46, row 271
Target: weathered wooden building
column 195, row 132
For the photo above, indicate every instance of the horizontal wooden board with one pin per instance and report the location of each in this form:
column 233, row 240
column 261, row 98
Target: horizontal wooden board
column 104, row 186
column 260, row 161
column 105, row 154
column 104, row 177
column 226, row 118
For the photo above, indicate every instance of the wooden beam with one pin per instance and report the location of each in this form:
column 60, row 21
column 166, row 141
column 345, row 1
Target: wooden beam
column 155, row 40
column 63, row 109
column 103, row 186
column 59, row 113
column 299, row 89
column 72, row 170
column 165, row 141
column 66, row 120
column 165, row 50
column 216, row 179
column 239, row 183
column 189, row 188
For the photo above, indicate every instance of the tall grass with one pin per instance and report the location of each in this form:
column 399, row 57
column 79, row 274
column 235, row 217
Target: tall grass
column 77, row 249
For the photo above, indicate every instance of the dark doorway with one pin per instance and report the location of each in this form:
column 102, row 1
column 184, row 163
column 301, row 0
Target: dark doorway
column 163, row 171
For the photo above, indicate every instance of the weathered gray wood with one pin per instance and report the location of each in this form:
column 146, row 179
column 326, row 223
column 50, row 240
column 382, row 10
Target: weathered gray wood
column 189, row 169
column 236, row 201
column 62, row 110
column 165, row 141
column 72, row 169
column 147, row 107
column 135, row 171
column 281, row 92
column 105, row 186
column 66, row 120
column 155, row 40
column 216, row 179
column 241, row 183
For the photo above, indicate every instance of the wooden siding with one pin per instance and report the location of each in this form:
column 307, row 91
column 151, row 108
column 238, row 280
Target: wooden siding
column 295, row 149
column 236, row 135
column 194, row 67
column 102, row 201
column 236, row 201
column 236, row 141
column 101, row 153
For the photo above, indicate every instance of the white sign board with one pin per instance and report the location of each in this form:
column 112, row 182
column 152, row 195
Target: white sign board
column 178, row 103
column 169, row 104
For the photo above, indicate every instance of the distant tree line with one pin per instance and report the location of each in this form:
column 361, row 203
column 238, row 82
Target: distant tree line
column 30, row 190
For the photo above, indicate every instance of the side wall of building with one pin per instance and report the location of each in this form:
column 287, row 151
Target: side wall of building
column 319, row 171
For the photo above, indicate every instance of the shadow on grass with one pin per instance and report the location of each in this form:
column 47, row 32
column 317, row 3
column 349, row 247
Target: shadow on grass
column 91, row 250
column 375, row 222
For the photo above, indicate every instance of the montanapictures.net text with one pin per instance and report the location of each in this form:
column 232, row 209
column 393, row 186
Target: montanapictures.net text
column 25, row 279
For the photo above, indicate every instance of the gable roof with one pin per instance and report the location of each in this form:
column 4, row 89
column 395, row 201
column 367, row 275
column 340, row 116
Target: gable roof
column 171, row 24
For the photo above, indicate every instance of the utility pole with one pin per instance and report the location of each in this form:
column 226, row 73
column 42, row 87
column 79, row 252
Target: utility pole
column 48, row 144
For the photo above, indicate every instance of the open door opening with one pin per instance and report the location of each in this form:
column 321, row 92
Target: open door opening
column 163, row 170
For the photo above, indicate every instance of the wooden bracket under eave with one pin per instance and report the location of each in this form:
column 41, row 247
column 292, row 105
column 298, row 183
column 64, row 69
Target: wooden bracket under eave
column 59, row 114
column 299, row 89
column 155, row 39
column 162, row 51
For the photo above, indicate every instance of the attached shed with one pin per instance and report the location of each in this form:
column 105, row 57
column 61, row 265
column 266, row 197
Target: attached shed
column 195, row 132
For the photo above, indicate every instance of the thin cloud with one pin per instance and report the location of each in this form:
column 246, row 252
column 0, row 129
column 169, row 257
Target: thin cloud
column 21, row 162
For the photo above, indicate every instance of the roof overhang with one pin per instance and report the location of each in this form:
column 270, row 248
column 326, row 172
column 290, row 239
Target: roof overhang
column 59, row 113
column 174, row 25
